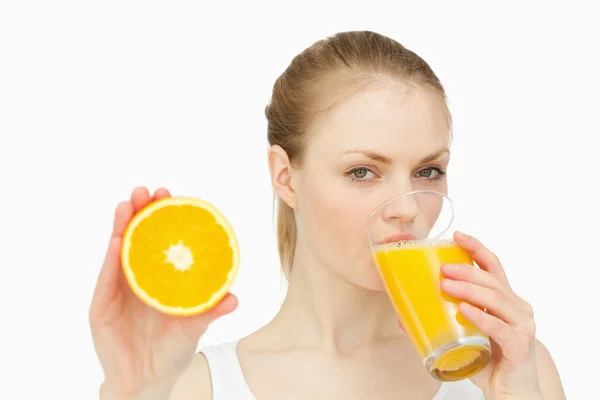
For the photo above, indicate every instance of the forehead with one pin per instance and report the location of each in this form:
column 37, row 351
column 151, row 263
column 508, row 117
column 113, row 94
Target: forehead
column 398, row 120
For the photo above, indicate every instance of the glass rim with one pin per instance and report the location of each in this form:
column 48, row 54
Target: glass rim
column 379, row 207
column 415, row 243
column 425, row 240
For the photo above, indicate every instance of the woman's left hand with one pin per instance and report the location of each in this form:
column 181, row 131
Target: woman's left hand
column 508, row 321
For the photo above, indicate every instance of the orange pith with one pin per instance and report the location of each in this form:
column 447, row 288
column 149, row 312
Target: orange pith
column 180, row 255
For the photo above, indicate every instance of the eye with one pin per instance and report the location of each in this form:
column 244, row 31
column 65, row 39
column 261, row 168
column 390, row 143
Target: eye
column 361, row 174
column 432, row 173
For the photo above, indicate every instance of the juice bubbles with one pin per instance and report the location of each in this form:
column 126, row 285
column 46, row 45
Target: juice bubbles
column 451, row 347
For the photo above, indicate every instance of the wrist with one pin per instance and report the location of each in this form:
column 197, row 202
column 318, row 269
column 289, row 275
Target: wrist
column 534, row 396
column 109, row 393
column 151, row 392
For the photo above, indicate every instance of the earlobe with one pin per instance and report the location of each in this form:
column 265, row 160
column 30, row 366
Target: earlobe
column 281, row 175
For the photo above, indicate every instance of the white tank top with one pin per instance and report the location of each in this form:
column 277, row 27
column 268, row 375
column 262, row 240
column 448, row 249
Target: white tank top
column 228, row 382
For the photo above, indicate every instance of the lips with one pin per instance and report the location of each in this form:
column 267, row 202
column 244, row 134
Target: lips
column 398, row 238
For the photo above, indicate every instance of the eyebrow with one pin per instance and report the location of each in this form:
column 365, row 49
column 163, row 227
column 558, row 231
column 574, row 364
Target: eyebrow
column 373, row 155
column 370, row 154
column 434, row 156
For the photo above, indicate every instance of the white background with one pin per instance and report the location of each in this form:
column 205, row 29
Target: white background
column 98, row 97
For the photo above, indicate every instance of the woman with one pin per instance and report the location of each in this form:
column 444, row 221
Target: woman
column 354, row 120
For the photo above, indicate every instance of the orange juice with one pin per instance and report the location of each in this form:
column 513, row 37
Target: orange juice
column 411, row 273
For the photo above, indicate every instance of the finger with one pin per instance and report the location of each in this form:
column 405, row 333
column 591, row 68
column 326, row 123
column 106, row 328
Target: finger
column 477, row 276
column 110, row 275
column 193, row 327
column 227, row 305
column 123, row 215
column 161, row 194
column 140, row 198
column 484, row 258
column 512, row 342
column 109, row 278
column 495, row 302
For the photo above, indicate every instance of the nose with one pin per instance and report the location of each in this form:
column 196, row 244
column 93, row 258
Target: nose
column 402, row 209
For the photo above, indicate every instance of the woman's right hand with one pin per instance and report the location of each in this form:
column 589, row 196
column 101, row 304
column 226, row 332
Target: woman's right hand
column 142, row 351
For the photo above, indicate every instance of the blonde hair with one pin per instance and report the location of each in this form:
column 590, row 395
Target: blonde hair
column 319, row 78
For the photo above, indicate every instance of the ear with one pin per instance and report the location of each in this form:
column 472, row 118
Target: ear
column 281, row 175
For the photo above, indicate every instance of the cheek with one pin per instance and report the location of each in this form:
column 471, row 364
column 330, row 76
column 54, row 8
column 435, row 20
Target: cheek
column 334, row 220
column 338, row 219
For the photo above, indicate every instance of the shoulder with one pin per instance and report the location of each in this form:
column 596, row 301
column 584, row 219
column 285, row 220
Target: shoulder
column 195, row 382
column 550, row 382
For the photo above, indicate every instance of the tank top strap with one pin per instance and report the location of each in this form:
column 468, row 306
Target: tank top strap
column 226, row 374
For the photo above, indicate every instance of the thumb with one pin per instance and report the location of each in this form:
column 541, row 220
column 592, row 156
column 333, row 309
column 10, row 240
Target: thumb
column 194, row 327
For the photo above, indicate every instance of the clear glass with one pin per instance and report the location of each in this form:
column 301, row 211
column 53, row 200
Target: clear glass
column 410, row 239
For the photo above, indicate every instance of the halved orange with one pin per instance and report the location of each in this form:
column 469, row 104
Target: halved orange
column 180, row 255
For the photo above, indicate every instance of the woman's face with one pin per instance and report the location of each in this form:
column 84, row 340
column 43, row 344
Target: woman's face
column 375, row 145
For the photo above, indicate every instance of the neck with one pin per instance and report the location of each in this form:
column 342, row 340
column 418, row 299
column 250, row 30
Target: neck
column 323, row 310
